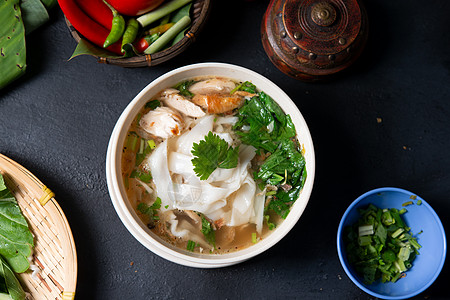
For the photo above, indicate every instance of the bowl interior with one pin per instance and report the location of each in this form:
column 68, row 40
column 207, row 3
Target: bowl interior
column 116, row 186
column 426, row 267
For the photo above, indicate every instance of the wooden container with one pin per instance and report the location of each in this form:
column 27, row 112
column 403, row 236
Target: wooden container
column 54, row 251
column 314, row 39
column 200, row 12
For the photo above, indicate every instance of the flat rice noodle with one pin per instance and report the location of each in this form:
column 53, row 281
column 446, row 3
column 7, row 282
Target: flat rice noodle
column 193, row 194
column 225, row 136
column 157, row 163
column 185, row 142
column 242, row 203
column 230, row 120
column 258, row 205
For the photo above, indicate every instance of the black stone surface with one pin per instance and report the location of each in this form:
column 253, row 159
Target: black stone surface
column 57, row 120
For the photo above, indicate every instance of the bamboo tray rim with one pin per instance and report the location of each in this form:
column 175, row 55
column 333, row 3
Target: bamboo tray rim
column 54, row 252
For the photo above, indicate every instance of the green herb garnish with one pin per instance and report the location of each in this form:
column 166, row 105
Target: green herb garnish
column 263, row 124
column 246, row 86
column 212, row 153
column 208, row 231
column 150, row 210
column 142, row 176
column 144, row 150
column 380, row 245
column 183, row 87
column 190, row 246
column 153, row 104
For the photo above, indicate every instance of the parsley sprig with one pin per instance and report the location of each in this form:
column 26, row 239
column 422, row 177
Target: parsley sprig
column 212, row 153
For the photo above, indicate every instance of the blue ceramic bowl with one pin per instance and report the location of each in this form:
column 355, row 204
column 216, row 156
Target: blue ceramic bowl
column 427, row 265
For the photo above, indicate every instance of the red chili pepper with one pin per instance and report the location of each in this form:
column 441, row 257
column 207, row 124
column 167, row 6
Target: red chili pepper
column 90, row 29
column 97, row 11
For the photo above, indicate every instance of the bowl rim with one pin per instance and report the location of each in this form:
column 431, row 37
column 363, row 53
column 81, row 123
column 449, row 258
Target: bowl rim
column 341, row 251
column 206, row 260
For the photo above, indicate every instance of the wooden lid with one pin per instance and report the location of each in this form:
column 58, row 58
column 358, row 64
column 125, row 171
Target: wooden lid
column 312, row 39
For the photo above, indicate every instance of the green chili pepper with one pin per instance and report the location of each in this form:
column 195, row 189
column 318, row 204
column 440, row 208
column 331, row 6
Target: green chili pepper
column 130, row 32
column 117, row 28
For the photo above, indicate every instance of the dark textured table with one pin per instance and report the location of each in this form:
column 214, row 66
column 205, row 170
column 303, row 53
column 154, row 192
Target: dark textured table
column 384, row 122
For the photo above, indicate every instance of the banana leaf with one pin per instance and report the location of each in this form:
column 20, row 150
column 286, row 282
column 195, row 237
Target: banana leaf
column 12, row 42
column 10, row 287
column 86, row 48
column 34, row 14
column 16, row 240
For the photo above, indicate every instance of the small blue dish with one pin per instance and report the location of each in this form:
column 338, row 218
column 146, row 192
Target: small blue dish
column 427, row 265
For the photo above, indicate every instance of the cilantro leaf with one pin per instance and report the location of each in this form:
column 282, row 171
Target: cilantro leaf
column 212, row 153
column 150, row 210
column 153, row 104
column 183, row 87
column 208, row 231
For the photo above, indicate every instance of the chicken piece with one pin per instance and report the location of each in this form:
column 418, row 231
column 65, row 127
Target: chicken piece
column 217, row 104
column 162, row 122
column 173, row 99
column 213, row 86
column 244, row 94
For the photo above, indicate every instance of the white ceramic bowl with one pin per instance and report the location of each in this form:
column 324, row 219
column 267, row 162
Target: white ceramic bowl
column 116, row 186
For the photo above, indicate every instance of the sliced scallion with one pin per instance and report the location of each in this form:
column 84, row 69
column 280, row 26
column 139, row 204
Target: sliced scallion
column 254, row 239
column 365, row 230
column 190, row 246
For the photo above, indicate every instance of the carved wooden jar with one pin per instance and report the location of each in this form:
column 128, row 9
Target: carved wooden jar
column 313, row 39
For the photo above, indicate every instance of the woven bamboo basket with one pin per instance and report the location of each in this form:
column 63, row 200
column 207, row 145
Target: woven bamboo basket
column 200, row 12
column 54, row 252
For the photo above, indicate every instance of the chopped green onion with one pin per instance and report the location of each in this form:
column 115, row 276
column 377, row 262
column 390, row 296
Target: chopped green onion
column 387, row 218
column 403, row 254
column 254, row 240
column 141, row 146
column 407, row 203
column 132, row 141
column 269, row 224
column 365, row 230
column 364, row 240
column 402, row 211
column 151, row 144
column 384, row 254
column 271, row 193
column 190, row 246
column 139, row 116
column 419, row 202
column 397, row 232
column 414, row 243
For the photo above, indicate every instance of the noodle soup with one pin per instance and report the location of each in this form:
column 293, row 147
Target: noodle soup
column 212, row 165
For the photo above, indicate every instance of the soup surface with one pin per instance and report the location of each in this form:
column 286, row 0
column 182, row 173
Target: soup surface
column 212, row 165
